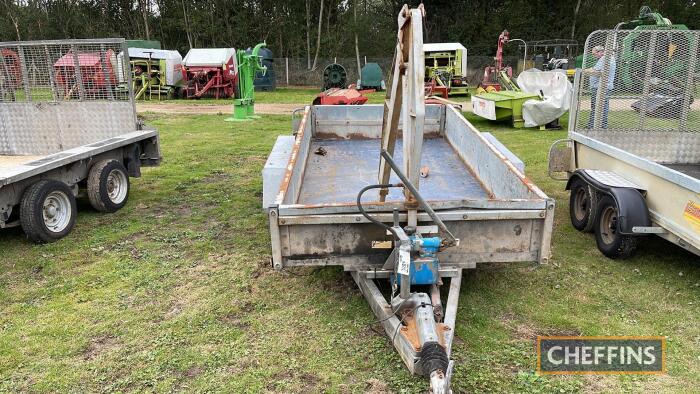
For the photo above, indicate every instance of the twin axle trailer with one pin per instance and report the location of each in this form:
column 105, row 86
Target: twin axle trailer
column 634, row 170
column 55, row 146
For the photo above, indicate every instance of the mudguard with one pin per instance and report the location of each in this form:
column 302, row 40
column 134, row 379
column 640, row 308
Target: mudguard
column 632, row 210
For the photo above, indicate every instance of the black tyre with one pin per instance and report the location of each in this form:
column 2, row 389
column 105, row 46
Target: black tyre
column 582, row 205
column 108, row 186
column 47, row 211
column 608, row 238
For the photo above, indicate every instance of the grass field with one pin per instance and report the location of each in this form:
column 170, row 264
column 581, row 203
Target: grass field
column 175, row 292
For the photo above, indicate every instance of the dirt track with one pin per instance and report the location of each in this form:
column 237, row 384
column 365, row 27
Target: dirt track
column 214, row 109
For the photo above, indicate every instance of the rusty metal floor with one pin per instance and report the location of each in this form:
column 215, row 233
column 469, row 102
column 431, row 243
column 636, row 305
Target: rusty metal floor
column 350, row 165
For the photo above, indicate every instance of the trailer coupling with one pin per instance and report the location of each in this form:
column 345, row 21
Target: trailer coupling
column 414, row 318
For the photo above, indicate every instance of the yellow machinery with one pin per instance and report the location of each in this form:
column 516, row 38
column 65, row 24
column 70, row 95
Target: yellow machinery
column 446, row 64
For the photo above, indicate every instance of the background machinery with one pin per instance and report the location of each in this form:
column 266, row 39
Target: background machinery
column 446, row 66
column 10, row 74
column 335, row 76
column 671, row 39
column 250, row 64
column 86, row 74
column 155, row 73
column 265, row 81
column 493, row 74
column 371, row 77
column 210, row 72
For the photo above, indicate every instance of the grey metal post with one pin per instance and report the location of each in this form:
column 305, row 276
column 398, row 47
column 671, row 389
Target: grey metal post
column 25, row 74
column 105, row 71
column 126, row 69
column 78, row 72
column 286, row 69
column 573, row 110
column 690, row 85
column 647, row 76
column 52, row 75
column 4, row 76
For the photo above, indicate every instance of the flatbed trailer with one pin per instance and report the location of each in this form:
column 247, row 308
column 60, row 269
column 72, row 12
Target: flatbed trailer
column 67, row 127
column 636, row 172
column 407, row 194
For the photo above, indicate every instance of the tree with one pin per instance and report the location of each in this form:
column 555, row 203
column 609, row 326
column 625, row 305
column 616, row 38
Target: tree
column 318, row 36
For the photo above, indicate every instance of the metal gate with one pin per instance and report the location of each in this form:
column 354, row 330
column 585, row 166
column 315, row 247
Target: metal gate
column 56, row 95
column 638, row 91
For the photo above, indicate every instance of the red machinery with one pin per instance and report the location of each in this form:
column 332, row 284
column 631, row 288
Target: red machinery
column 335, row 96
column 211, row 72
column 93, row 71
column 491, row 72
column 10, row 71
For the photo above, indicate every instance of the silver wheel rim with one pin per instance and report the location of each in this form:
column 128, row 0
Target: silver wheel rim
column 57, row 211
column 117, row 186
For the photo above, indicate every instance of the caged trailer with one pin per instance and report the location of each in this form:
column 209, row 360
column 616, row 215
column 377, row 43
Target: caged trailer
column 67, row 127
column 210, row 73
column 633, row 167
column 403, row 196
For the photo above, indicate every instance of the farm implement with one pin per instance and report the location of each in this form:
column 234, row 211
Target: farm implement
column 210, row 73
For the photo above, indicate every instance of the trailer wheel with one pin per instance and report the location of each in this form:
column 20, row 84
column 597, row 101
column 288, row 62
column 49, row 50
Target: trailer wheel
column 609, row 240
column 108, row 186
column 47, row 211
column 582, row 205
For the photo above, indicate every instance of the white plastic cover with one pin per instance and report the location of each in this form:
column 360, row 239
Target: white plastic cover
column 557, row 91
column 209, row 57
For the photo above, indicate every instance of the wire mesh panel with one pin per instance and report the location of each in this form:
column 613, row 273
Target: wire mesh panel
column 637, row 92
column 56, row 95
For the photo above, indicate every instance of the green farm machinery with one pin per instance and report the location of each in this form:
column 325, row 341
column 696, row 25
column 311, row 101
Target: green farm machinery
column 155, row 73
column 446, row 67
column 672, row 39
column 249, row 64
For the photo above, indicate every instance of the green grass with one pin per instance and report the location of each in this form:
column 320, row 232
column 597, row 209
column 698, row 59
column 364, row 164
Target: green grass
column 175, row 292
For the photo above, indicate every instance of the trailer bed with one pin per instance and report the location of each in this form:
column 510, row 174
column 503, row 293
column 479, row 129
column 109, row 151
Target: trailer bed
column 349, row 165
column 484, row 200
column 692, row 170
column 7, row 161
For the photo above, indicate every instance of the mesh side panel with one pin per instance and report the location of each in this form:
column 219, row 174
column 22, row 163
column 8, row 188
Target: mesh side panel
column 50, row 71
column 637, row 92
column 56, row 95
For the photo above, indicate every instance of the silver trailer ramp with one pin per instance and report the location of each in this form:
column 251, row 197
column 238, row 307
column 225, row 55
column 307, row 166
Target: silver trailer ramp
column 66, row 123
column 409, row 195
column 633, row 167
